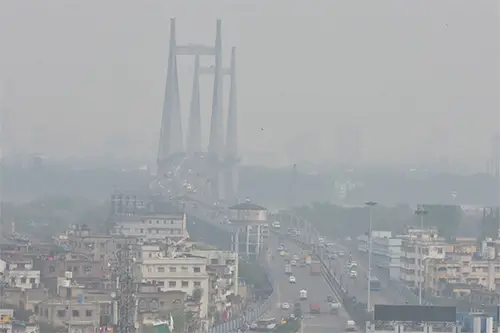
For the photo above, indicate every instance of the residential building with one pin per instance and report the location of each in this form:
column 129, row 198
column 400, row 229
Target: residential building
column 158, row 227
column 89, row 273
column 80, row 240
column 20, row 274
column 152, row 305
column 418, row 246
column 176, row 272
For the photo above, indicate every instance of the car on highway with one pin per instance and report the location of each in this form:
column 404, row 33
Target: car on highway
column 353, row 274
column 285, row 306
column 276, row 225
column 292, row 279
column 293, row 263
column 341, row 253
column 295, row 257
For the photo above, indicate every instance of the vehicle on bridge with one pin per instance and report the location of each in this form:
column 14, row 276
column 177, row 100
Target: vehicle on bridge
column 303, row 295
column 276, row 225
column 293, row 262
column 288, row 269
column 375, row 284
column 351, row 326
column 263, row 325
column 292, row 279
column 334, row 308
column 315, row 268
column 315, row 308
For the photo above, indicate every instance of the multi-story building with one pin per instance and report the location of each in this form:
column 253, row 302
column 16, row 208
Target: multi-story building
column 176, row 272
column 418, row 247
column 89, row 273
column 20, row 274
column 159, row 227
column 152, row 305
column 80, row 240
column 386, row 251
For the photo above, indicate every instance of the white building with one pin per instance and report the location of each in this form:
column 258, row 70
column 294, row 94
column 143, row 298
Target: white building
column 253, row 228
column 153, row 228
column 418, row 246
column 178, row 272
column 386, row 251
column 20, row 274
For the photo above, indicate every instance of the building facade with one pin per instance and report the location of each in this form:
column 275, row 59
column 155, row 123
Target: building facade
column 153, row 227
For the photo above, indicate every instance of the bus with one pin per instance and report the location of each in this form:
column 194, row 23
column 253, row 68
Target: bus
column 375, row 284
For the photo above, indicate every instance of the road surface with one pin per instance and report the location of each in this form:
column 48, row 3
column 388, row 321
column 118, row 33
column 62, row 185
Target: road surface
column 358, row 287
column 317, row 290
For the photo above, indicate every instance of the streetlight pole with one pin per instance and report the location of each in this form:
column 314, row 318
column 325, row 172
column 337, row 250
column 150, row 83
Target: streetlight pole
column 421, row 212
column 370, row 205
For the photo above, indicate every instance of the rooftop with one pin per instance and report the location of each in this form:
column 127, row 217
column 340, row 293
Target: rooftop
column 247, row 206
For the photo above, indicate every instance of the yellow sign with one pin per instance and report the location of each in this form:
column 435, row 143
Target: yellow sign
column 4, row 318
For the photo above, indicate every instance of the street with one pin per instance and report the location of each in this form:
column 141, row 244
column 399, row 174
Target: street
column 317, row 290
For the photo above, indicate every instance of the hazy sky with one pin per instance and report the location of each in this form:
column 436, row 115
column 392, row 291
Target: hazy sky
column 415, row 79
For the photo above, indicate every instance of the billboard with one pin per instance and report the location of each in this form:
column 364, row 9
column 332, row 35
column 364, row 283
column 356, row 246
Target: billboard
column 415, row 313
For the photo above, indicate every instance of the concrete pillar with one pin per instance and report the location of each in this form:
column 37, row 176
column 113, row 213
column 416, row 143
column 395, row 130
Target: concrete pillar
column 477, row 325
column 489, row 325
column 429, row 328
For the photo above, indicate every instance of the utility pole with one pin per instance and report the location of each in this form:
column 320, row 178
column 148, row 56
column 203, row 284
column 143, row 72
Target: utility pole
column 421, row 212
column 370, row 205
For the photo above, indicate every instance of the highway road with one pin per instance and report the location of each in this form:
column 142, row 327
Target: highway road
column 317, row 292
column 356, row 287
column 387, row 295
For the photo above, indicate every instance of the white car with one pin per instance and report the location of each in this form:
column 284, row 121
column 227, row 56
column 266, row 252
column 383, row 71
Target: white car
column 293, row 263
column 285, row 306
column 295, row 257
column 292, row 279
column 353, row 274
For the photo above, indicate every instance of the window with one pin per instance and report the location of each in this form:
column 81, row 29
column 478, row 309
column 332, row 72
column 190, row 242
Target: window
column 184, row 269
column 197, row 284
column 141, row 231
column 185, row 284
column 172, row 284
column 52, row 269
column 75, row 313
column 196, row 269
column 214, row 261
column 23, row 280
column 161, row 269
column 61, row 313
column 32, row 280
column 88, row 313
column 172, row 269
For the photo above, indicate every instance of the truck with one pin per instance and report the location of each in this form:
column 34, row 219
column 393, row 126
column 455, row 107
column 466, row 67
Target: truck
column 288, row 269
column 303, row 294
column 315, row 308
column 334, row 308
column 315, row 268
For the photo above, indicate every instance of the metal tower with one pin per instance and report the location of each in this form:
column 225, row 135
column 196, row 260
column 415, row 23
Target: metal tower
column 232, row 160
column 171, row 138
column 216, row 143
column 171, row 124
column 194, row 131
column 126, row 287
